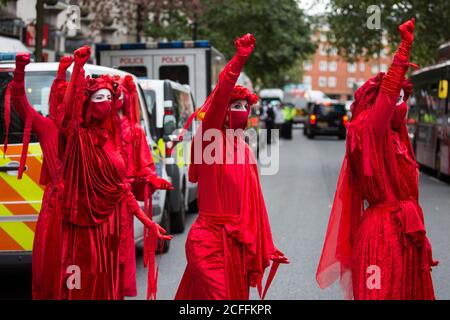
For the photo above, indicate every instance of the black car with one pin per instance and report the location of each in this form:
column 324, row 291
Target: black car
column 326, row 118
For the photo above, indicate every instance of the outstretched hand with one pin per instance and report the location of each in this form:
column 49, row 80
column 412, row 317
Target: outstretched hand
column 407, row 30
column 245, row 44
column 160, row 183
column 161, row 233
column 22, row 59
column 82, row 55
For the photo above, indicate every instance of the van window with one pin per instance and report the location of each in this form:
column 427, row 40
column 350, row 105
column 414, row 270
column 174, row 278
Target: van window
column 138, row 71
column 184, row 107
column 37, row 88
column 175, row 73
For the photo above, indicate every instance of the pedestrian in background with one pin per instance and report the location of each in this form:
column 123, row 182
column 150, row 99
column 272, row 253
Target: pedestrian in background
column 288, row 115
column 270, row 121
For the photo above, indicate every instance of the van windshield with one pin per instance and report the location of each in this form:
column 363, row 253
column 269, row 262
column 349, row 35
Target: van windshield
column 37, row 87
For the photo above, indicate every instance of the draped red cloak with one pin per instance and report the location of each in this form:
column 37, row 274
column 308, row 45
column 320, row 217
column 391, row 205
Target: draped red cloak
column 376, row 223
column 91, row 203
column 230, row 244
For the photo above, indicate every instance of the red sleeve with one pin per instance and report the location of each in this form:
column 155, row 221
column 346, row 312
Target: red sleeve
column 219, row 98
column 23, row 107
column 390, row 90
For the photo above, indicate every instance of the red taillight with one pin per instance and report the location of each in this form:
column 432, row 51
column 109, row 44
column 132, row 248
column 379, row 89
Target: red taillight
column 170, row 147
column 345, row 120
column 168, row 111
column 312, row 119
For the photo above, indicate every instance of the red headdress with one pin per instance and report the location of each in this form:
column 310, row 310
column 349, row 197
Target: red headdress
column 239, row 93
column 131, row 99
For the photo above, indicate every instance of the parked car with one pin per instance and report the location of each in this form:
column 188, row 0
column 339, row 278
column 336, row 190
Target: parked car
column 170, row 104
column 328, row 117
column 21, row 200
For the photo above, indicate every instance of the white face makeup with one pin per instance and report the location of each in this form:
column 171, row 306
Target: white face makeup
column 101, row 95
column 239, row 105
column 400, row 97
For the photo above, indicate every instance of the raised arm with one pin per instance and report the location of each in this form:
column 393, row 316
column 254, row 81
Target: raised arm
column 59, row 82
column 18, row 95
column 215, row 115
column 64, row 111
column 393, row 81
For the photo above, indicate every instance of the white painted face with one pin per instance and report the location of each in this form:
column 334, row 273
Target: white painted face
column 101, row 95
column 239, row 105
column 400, row 97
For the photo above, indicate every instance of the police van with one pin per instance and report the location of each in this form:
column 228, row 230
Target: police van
column 193, row 63
column 21, row 200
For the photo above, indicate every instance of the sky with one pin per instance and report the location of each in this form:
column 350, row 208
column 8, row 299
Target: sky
column 313, row 7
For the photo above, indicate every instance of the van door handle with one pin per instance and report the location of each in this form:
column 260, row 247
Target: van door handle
column 9, row 168
column 12, row 166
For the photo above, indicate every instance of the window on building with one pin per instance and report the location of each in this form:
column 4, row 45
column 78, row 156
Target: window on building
column 307, row 80
column 383, row 67
column 307, row 65
column 362, row 66
column 374, row 69
column 332, row 66
column 350, row 82
column 323, row 65
column 322, row 50
column 351, row 67
column 322, row 82
column 332, row 82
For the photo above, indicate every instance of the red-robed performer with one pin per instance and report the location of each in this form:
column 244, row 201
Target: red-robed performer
column 230, row 244
column 95, row 192
column 376, row 241
column 47, row 133
column 141, row 174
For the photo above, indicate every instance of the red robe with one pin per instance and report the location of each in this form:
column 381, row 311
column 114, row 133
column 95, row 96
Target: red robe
column 230, row 244
column 47, row 134
column 376, row 241
column 139, row 167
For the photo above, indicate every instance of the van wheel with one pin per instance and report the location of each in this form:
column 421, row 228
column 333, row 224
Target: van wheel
column 178, row 218
column 165, row 223
column 310, row 134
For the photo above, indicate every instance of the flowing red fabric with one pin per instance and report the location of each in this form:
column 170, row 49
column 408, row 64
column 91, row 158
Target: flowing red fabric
column 44, row 246
column 230, row 245
column 140, row 170
column 388, row 233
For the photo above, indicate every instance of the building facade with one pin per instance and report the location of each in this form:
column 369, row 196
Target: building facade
column 331, row 74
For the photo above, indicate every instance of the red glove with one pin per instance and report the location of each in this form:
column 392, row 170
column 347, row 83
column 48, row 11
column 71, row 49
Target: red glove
column 159, row 183
column 393, row 81
column 64, row 64
column 245, row 44
column 407, row 30
column 22, row 59
column 279, row 257
column 82, row 55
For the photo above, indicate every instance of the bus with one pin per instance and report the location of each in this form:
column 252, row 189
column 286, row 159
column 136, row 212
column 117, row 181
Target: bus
column 429, row 116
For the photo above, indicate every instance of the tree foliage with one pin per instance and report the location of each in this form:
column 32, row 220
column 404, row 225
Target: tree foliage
column 280, row 27
column 349, row 33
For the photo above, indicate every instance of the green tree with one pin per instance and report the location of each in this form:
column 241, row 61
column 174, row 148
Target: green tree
column 353, row 39
column 280, row 27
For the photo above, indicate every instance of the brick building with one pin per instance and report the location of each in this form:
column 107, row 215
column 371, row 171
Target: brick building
column 334, row 76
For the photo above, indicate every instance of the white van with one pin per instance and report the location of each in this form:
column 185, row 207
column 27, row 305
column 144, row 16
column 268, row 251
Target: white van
column 21, row 200
column 171, row 104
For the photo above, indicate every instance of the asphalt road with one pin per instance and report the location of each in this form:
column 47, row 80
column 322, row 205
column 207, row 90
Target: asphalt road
column 298, row 199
